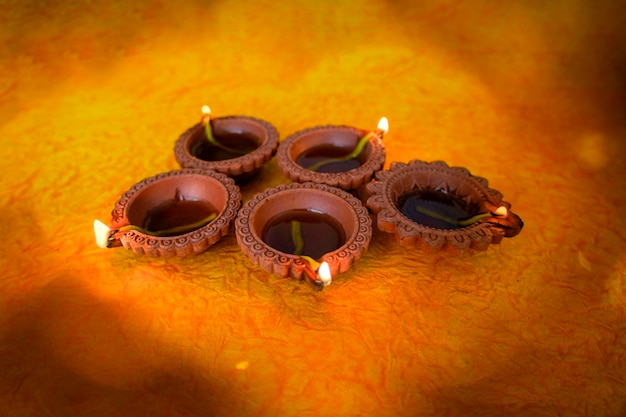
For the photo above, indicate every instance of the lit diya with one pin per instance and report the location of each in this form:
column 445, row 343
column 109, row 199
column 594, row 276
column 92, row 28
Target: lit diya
column 304, row 231
column 237, row 146
column 436, row 206
column 340, row 156
column 177, row 213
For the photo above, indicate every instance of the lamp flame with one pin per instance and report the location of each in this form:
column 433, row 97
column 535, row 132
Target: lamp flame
column 324, row 273
column 102, row 232
column 501, row 211
column 383, row 125
column 206, row 110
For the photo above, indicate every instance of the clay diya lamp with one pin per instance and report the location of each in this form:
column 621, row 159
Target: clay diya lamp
column 305, row 231
column 173, row 214
column 340, row 156
column 436, row 207
column 237, row 146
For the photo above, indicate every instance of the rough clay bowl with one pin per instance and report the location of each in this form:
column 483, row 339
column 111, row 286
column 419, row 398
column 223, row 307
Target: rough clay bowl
column 241, row 168
column 402, row 178
column 341, row 136
column 345, row 208
column 192, row 184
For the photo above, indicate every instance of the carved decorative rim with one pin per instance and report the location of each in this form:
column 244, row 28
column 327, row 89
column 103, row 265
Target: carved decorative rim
column 308, row 196
column 295, row 144
column 225, row 195
column 264, row 132
column 401, row 178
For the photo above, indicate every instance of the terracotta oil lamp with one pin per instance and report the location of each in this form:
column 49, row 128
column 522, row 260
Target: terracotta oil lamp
column 237, row 146
column 305, row 231
column 432, row 205
column 340, row 156
column 173, row 214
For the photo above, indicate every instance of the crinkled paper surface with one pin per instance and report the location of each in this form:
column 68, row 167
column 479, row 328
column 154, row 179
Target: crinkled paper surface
column 529, row 95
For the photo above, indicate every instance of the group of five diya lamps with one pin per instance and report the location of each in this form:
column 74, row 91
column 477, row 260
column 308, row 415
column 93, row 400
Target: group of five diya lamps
column 317, row 273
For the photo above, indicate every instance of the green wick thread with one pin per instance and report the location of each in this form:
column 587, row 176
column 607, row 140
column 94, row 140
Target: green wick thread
column 208, row 131
column 171, row 231
column 296, row 237
column 466, row 222
column 298, row 242
column 352, row 155
column 314, row 264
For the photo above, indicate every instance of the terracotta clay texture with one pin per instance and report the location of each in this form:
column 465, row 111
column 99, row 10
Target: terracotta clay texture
column 190, row 184
column 241, row 168
column 438, row 176
column 344, row 136
column 257, row 212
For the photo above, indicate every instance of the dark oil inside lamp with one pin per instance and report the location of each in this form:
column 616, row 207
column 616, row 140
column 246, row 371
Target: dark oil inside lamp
column 417, row 204
column 177, row 213
column 234, row 145
column 320, row 232
column 321, row 154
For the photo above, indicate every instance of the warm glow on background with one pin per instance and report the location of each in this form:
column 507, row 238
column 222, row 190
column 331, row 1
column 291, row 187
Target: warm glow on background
column 529, row 95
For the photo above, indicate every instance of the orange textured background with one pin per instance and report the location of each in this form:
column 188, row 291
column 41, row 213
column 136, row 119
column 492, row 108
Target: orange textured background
column 530, row 95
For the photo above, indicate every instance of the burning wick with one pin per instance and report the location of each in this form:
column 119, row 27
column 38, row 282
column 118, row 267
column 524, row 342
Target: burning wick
column 104, row 234
column 206, row 118
column 323, row 272
column 383, row 128
column 499, row 212
column 208, row 131
column 318, row 273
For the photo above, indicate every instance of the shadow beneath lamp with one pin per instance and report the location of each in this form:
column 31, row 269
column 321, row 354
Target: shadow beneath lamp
column 68, row 350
